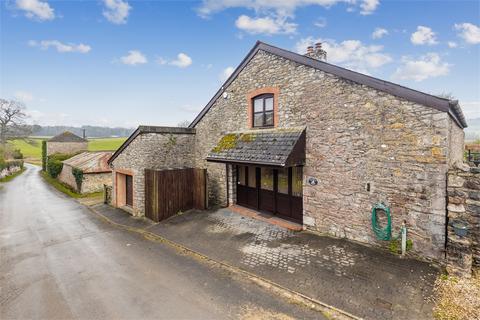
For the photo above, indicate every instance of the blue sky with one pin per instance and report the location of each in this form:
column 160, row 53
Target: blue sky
column 125, row 63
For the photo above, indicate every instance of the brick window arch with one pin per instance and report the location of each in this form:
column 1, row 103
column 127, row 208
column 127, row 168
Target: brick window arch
column 261, row 94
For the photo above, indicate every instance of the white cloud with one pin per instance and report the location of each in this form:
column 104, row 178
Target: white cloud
column 226, row 73
column 281, row 7
column 36, row 9
column 468, row 32
column 368, row 6
column 321, row 22
column 116, row 11
column 182, row 61
column 379, row 33
column 352, row 54
column 23, row 96
column 423, row 35
column 274, row 16
column 133, row 58
column 265, row 25
column 60, row 47
column 452, row 44
column 427, row 66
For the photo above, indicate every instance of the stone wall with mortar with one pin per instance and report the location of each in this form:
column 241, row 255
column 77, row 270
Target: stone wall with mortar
column 356, row 136
column 152, row 151
column 92, row 182
column 66, row 147
column 463, row 206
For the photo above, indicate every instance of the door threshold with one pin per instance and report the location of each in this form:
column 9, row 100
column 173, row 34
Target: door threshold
column 266, row 217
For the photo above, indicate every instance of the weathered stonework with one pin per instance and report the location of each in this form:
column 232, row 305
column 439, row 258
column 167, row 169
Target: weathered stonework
column 66, row 147
column 464, row 206
column 151, row 151
column 355, row 135
column 92, row 182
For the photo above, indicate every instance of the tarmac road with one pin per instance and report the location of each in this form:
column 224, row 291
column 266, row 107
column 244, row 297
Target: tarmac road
column 59, row 261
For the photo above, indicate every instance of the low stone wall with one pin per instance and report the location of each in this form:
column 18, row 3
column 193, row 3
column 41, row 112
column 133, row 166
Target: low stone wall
column 463, row 252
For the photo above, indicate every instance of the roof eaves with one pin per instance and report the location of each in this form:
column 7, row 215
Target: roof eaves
column 124, row 145
column 426, row 99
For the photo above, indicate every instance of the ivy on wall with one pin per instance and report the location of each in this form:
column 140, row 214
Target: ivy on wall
column 78, row 174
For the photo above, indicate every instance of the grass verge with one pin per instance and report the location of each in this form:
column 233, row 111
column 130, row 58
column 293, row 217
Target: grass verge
column 11, row 177
column 457, row 299
column 67, row 189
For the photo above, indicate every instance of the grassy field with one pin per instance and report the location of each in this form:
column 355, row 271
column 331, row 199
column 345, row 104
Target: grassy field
column 32, row 147
column 105, row 144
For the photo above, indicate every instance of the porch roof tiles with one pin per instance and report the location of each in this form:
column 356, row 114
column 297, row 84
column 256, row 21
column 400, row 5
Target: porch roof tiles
column 276, row 147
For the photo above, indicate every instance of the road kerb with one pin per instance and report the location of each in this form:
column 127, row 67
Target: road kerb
column 293, row 296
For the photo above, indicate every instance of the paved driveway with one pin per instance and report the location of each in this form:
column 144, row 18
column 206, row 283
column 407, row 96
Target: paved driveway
column 58, row 261
column 364, row 281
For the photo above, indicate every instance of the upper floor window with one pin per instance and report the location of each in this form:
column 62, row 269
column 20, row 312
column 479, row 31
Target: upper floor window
column 263, row 110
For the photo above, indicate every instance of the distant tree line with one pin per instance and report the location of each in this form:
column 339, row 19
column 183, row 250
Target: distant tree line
column 90, row 131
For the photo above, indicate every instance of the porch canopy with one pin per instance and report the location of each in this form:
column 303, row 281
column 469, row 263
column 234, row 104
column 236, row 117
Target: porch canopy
column 264, row 147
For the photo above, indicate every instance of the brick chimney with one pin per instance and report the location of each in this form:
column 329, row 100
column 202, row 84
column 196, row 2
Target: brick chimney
column 317, row 52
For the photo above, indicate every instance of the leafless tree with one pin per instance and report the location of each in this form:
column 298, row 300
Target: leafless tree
column 12, row 120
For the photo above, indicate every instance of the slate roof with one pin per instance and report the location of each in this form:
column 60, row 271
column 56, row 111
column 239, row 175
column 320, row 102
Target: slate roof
column 276, row 147
column 150, row 129
column 90, row 162
column 67, row 136
column 445, row 105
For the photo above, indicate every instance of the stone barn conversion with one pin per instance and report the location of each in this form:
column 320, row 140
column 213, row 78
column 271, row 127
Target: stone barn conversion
column 314, row 143
column 92, row 168
column 66, row 143
column 148, row 147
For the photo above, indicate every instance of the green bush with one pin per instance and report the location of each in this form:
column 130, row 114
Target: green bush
column 55, row 163
column 17, row 154
column 54, row 167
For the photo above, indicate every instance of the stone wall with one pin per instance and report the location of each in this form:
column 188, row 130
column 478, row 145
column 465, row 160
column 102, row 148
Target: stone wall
column 463, row 206
column 67, row 177
column 356, row 136
column 152, row 151
column 66, row 147
column 92, row 182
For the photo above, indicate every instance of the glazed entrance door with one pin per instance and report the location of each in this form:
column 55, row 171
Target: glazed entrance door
column 278, row 191
column 247, row 194
column 267, row 194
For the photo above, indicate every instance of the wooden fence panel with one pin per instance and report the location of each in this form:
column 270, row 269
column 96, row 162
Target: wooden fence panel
column 170, row 191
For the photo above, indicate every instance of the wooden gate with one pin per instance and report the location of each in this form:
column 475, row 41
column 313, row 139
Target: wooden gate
column 169, row 191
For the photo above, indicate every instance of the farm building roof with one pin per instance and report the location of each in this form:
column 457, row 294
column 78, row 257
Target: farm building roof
column 90, row 162
column 277, row 147
column 67, row 136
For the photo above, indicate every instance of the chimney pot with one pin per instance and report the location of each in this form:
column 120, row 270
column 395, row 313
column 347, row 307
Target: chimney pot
column 309, row 49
